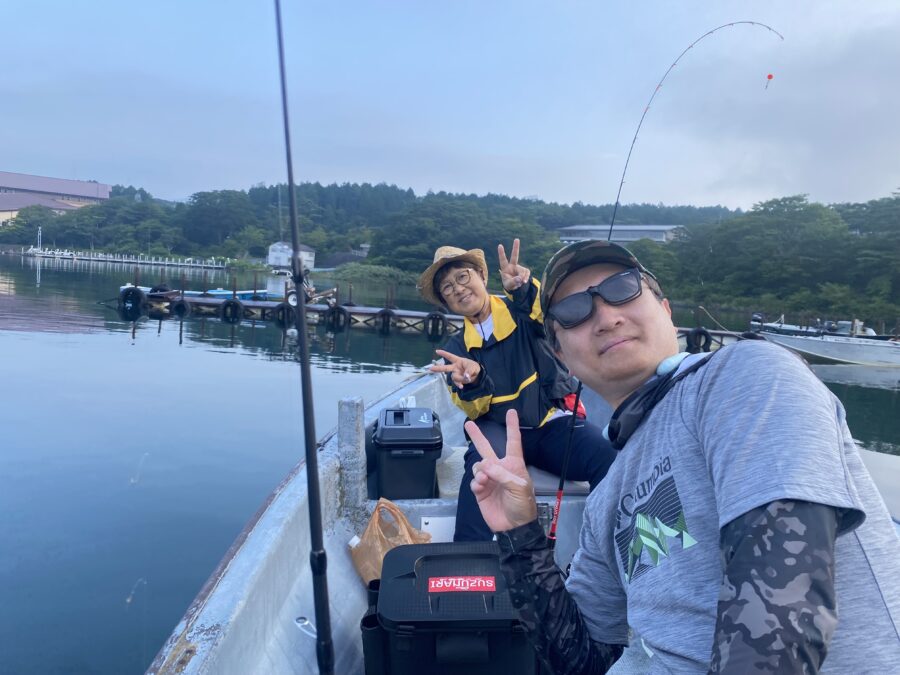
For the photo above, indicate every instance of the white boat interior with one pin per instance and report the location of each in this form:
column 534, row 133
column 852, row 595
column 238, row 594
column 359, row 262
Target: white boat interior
column 852, row 328
column 255, row 614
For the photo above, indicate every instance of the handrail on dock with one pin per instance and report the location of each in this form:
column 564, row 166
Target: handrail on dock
column 130, row 259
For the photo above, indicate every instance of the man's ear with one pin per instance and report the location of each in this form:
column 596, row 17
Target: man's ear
column 665, row 303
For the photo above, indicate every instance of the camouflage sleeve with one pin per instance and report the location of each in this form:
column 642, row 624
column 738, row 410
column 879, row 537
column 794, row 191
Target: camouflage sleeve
column 777, row 608
column 551, row 617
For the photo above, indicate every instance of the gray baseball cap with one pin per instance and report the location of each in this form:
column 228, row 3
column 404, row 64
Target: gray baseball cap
column 581, row 254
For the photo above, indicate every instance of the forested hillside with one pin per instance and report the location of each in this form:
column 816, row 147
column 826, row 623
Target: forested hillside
column 333, row 218
column 784, row 255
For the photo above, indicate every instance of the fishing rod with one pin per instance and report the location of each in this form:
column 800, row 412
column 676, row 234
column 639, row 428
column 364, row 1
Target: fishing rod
column 656, row 91
column 317, row 557
column 565, row 468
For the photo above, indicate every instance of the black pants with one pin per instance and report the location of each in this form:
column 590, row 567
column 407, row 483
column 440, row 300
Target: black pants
column 544, row 448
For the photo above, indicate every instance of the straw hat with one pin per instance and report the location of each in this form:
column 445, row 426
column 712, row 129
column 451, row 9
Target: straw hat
column 444, row 256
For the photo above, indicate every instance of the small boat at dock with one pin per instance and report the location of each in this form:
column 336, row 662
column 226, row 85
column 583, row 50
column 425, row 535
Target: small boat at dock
column 849, row 342
column 838, row 349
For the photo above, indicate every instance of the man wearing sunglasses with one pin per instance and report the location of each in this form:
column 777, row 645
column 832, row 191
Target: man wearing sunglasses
column 502, row 362
column 737, row 531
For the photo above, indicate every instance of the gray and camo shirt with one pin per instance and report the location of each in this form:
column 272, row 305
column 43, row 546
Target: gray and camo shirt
column 751, row 439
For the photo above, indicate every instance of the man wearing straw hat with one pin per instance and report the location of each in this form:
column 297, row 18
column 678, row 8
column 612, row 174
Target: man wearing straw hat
column 502, row 362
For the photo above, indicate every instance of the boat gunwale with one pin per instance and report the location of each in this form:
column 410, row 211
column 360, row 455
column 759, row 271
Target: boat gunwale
column 168, row 650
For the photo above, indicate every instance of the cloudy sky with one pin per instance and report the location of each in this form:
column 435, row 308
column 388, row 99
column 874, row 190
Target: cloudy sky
column 516, row 97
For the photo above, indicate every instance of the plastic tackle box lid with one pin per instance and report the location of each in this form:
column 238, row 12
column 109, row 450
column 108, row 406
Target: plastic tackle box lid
column 404, row 427
column 445, row 586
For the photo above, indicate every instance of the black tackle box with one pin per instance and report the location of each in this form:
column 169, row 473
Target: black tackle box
column 407, row 444
column 444, row 609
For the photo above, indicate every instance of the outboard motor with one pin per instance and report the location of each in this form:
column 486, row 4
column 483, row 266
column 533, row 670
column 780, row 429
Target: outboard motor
column 756, row 320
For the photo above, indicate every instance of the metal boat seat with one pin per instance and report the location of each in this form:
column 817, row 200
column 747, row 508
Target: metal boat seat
column 546, row 483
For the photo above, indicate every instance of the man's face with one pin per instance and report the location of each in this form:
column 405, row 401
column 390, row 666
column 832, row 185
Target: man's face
column 464, row 290
column 619, row 347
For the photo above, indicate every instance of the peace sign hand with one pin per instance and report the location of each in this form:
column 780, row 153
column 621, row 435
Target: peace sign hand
column 512, row 274
column 502, row 487
column 462, row 371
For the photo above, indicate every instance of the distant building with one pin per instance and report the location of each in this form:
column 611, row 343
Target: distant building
column 332, row 260
column 280, row 254
column 621, row 234
column 19, row 190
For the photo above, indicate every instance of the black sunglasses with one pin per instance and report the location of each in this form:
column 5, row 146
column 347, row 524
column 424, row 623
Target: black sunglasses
column 577, row 308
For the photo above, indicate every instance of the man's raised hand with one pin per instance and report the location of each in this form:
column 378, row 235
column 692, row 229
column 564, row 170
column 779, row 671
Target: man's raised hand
column 512, row 274
column 502, row 487
column 462, row 371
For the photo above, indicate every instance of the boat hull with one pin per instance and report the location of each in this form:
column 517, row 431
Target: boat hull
column 855, row 350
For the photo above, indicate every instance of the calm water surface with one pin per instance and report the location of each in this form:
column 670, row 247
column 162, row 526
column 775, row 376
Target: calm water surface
column 130, row 460
column 132, row 455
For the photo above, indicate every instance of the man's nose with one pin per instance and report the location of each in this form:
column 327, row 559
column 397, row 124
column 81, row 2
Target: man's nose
column 605, row 316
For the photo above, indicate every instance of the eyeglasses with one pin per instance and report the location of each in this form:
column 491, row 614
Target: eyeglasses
column 462, row 278
column 615, row 290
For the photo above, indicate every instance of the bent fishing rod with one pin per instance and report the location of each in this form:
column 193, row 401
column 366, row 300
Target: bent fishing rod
column 568, row 452
column 656, row 91
column 317, row 558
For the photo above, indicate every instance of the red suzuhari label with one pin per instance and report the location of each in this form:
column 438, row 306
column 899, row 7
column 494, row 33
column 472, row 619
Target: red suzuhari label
column 462, row 584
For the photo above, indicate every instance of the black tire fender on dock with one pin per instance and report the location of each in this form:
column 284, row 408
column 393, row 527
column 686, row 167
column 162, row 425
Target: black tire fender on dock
column 180, row 307
column 132, row 297
column 130, row 313
column 384, row 319
column 337, row 318
column 698, row 340
column 231, row 311
column 284, row 315
column 435, row 326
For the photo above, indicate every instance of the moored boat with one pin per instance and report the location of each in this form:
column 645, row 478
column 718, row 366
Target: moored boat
column 853, row 328
column 853, row 350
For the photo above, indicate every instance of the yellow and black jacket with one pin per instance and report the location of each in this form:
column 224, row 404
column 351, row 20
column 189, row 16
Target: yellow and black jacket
column 518, row 370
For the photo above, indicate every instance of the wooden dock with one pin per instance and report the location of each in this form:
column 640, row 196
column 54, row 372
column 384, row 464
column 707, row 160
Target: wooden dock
column 134, row 303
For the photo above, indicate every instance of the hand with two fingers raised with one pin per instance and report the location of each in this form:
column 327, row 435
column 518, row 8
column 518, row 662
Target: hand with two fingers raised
column 502, row 487
column 462, row 371
column 512, row 274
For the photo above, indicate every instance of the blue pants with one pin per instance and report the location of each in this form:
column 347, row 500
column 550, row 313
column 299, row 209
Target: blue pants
column 544, row 448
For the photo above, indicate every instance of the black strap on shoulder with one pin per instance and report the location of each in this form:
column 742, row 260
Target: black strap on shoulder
column 633, row 410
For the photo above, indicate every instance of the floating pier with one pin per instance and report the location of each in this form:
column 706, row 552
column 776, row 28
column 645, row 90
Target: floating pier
column 155, row 261
column 235, row 307
column 260, row 305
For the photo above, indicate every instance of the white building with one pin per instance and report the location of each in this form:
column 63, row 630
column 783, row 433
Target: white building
column 280, row 254
column 621, row 234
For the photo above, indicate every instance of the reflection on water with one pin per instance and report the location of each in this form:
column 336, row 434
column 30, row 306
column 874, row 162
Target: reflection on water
column 134, row 453
column 870, row 377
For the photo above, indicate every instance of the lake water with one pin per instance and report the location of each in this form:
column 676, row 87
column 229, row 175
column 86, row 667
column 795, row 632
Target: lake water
column 133, row 454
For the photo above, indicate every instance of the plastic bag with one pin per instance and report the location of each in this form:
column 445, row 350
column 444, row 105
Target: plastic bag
column 387, row 529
